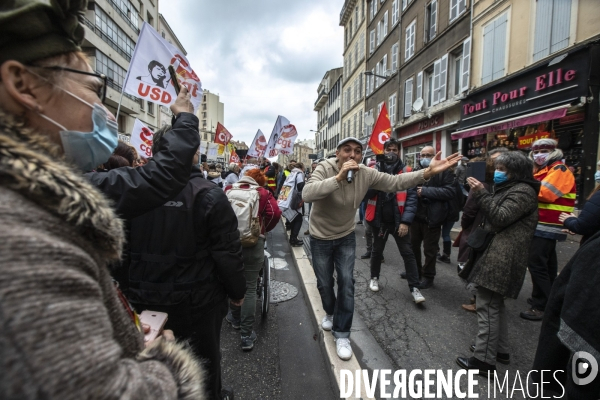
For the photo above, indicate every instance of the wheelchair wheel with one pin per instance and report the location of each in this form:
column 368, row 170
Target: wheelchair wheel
column 266, row 287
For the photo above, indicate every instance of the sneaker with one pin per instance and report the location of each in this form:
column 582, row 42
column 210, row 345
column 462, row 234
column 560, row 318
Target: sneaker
column 248, row 341
column 426, row 283
column 444, row 258
column 460, row 267
column 416, row 293
column 359, row 223
column 327, row 323
column 374, row 285
column 366, row 255
column 533, row 314
column 235, row 323
column 344, row 349
column 296, row 243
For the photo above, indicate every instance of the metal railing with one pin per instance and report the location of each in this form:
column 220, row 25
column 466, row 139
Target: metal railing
column 107, row 39
column 124, row 16
column 119, row 88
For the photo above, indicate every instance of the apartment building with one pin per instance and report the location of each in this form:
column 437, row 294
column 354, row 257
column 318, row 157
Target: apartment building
column 167, row 33
column 535, row 74
column 328, row 108
column 419, row 66
column 352, row 18
column 112, row 29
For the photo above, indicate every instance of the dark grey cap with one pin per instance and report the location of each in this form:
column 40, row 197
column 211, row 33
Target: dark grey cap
column 347, row 140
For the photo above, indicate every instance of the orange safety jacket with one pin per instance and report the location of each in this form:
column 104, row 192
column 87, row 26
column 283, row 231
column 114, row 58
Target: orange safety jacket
column 557, row 195
column 271, row 184
column 400, row 199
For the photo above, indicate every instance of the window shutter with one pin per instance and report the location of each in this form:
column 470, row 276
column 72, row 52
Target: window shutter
column 543, row 28
column 378, row 33
column 372, row 81
column 499, row 46
column 360, row 85
column 392, row 109
column 371, row 13
column 420, row 85
column 561, row 25
column 453, row 10
column 407, row 44
column 385, row 64
column 404, row 4
column 394, row 12
column 408, row 97
column 372, row 41
column 466, row 65
column 443, row 77
column 395, row 57
column 436, row 82
column 385, row 24
column 488, row 53
column 462, row 6
column 367, row 86
column 433, row 25
column 377, row 72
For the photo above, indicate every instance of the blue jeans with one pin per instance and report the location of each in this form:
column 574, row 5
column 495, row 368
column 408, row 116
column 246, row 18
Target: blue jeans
column 338, row 254
column 361, row 210
column 446, row 228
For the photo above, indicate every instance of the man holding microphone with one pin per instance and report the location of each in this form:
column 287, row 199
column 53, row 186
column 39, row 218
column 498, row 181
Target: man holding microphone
column 336, row 189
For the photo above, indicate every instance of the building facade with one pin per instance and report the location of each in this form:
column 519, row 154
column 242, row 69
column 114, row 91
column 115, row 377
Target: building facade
column 535, row 74
column 112, row 30
column 352, row 18
column 329, row 112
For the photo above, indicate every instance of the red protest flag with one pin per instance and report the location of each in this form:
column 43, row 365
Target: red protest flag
column 381, row 131
column 234, row 157
column 222, row 135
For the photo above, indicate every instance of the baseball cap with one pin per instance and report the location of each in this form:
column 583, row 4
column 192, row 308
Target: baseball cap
column 347, row 140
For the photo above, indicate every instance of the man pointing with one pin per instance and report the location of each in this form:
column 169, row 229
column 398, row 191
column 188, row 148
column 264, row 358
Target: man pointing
column 332, row 241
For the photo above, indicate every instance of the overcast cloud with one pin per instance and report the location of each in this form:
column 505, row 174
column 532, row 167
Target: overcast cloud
column 264, row 58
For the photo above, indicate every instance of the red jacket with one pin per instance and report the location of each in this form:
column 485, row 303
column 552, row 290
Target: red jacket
column 268, row 210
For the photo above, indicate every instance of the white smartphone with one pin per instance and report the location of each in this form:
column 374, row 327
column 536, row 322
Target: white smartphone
column 156, row 320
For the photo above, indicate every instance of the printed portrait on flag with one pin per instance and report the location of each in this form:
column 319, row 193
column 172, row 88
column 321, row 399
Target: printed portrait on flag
column 157, row 75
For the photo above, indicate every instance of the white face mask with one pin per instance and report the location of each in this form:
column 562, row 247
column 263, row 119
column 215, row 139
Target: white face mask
column 540, row 158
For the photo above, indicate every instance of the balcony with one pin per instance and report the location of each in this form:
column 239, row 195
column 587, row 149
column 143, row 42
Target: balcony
column 124, row 16
column 106, row 39
column 321, row 100
column 346, row 11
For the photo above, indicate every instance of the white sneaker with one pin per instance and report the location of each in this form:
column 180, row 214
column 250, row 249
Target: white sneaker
column 344, row 350
column 374, row 285
column 416, row 293
column 327, row 323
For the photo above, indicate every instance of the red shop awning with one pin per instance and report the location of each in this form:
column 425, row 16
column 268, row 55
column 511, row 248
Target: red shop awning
column 533, row 118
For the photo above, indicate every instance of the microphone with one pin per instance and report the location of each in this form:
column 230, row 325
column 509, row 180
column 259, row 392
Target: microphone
column 350, row 176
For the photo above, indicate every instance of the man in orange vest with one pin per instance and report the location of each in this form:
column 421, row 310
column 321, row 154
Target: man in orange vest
column 557, row 195
column 392, row 213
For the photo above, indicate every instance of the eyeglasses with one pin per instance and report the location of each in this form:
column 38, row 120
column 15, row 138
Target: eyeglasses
column 101, row 92
column 427, row 155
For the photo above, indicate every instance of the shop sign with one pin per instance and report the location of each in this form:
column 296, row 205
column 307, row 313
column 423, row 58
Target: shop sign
column 571, row 119
column 525, row 142
column 534, row 90
column 435, row 121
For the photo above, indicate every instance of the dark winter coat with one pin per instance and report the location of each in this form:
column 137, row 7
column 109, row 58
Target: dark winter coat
column 187, row 253
column 135, row 191
column 410, row 207
column 471, row 218
column 588, row 222
column 510, row 210
column 572, row 322
column 432, row 206
column 64, row 333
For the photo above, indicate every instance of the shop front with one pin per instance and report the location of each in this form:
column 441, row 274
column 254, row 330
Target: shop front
column 558, row 99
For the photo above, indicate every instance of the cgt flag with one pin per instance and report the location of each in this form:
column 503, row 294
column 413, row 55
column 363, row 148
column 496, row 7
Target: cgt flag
column 148, row 76
column 259, row 145
column 381, row 131
column 271, row 150
column 141, row 139
column 222, row 137
column 285, row 143
column 234, row 157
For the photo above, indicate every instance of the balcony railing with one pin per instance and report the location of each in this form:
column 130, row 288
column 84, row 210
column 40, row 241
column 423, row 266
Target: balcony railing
column 124, row 16
column 118, row 88
column 107, row 39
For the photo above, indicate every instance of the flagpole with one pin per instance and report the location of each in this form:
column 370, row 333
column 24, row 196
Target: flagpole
column 119, row 106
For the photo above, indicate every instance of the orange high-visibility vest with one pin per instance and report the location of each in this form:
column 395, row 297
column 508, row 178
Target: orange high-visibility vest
column 557, row 195
column 400, row 199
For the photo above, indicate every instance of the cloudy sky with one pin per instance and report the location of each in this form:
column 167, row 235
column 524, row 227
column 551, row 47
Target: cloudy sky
column 264, row 58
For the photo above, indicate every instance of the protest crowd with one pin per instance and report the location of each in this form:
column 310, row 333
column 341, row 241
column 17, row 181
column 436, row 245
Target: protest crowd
column 94, row 234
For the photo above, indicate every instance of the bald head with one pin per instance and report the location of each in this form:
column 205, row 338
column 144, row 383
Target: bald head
column 427, row 152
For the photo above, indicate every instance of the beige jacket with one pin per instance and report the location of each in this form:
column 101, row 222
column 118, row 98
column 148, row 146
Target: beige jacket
column 335, row 203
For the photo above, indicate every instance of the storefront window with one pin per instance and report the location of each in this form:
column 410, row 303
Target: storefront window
column 412, row 154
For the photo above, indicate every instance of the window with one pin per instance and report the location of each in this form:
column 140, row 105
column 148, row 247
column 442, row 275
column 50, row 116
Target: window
column 430, row 20
column 354, row 125
column 385, row 25
column 420, row 85
column 457, row 7
column 552, row 27
column 494, row 49
column 372, row 81
column 356, row 53
column 456, row 66
column 379, row 107
column 408, row 89
column 372, row 10
column 440, row 79
column 350, row 29
column 349, row 62
column 163, row 34
column 368, row 127
column 150, row 108
column 392, row 109
column 409, row 45
column 395, row 12
column 114, row 73
column 112, row 34
column 372, row 42
column 428, row 86
column 377, row 72
column 384, row 66
column 466, row 65
column 149, row 19
column 362, row 46
column 368, row 85
column 404, row 4
column 395, row 57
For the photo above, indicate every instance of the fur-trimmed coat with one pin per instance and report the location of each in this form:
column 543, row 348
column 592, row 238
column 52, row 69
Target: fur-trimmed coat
column 511, row 211
column 64, row 334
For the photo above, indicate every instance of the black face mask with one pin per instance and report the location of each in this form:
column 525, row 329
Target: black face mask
column 391, row 158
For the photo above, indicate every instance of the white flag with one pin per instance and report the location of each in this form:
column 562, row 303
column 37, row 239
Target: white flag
column 271, row 150
column 285, row 143
column 211, row 153
column 259, row 145
column 141, row 139
column 148, row 76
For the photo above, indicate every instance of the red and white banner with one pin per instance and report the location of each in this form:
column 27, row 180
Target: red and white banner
column 222, row 135
column 148, row 76
column 285, row 143
column 234, row 157
column 141, row 139
column 381, row 131
column 271, row 150
column 258, row 146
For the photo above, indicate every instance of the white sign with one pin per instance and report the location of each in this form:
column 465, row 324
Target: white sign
column 259, row 145
column 212, row 151
column 141, row 139
column 271, row 150
column 148, row 76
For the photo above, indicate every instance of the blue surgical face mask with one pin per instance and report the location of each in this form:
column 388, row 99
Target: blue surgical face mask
column 597, row 176
column 425, row 162
column 500, row 177
column 87, row 150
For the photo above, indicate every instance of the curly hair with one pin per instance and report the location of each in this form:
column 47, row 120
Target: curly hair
column 257, row 175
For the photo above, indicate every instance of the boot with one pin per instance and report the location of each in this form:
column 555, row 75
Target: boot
column 446, row 256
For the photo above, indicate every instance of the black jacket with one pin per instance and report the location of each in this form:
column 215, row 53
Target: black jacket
column 588, row 222
column 432, row 206
column 135, row 191
column 410, row 207
column 187, row 254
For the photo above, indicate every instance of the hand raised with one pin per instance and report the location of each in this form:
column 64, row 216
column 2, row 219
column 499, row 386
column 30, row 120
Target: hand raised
column 183, row 102
column 349, row 165
column 439, row 164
